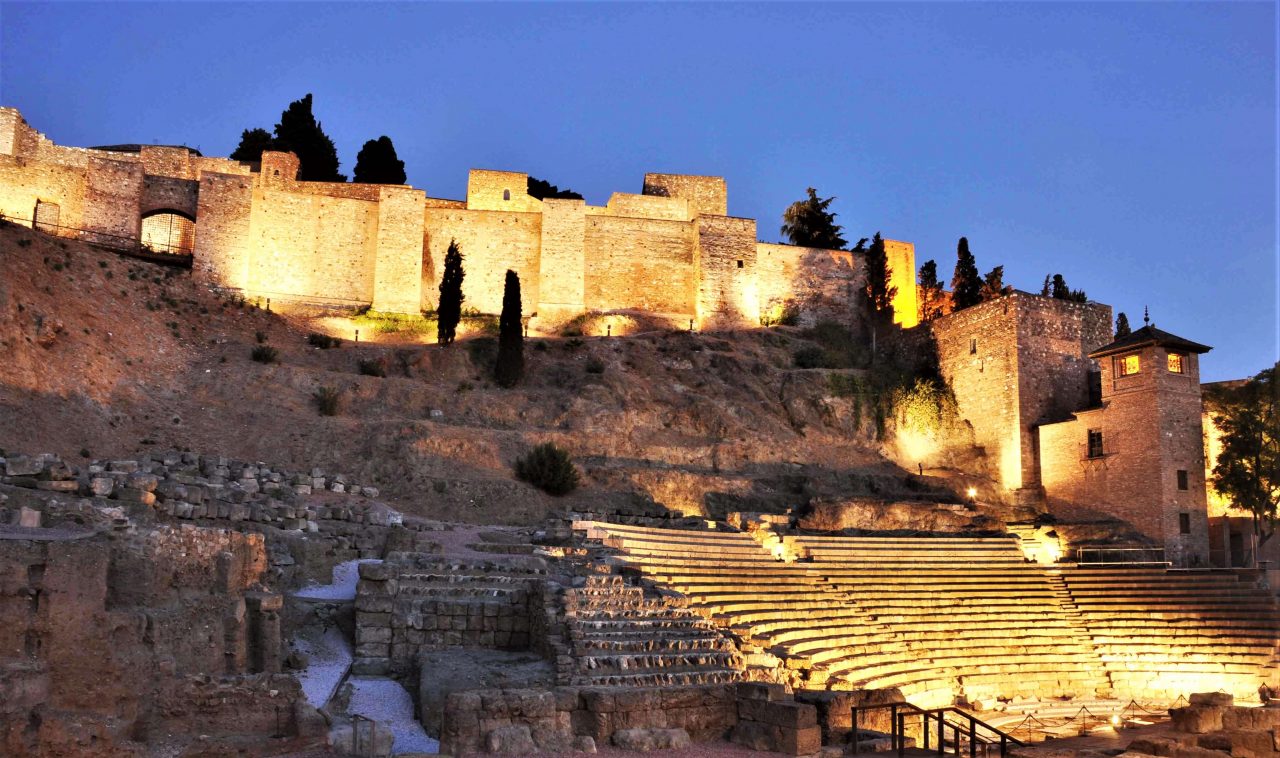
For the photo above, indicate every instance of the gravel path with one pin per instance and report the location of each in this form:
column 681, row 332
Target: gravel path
column 327, row 662
column 343, row 587
column 386, row 702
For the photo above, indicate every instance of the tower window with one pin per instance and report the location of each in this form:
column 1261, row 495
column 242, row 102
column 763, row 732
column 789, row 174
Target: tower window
column 1184, row 523
column 1176, row 363
column 739, row 264
column 1182, row 479
column 973, row 347
column 1128, row 365
column 1095, row 444
column 506, row 194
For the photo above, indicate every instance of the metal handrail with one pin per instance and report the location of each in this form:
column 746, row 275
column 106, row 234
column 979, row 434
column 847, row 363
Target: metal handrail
column 968, row 728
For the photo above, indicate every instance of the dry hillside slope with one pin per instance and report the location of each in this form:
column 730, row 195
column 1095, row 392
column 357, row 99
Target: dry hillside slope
column 111, row 356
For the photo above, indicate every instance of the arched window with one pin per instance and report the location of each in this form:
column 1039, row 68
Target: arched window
column 168, row 232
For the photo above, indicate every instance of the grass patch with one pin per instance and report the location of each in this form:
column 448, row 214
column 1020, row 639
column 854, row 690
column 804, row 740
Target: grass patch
column 327, row 400
column 407, row 324
column 264, row 354
column 323, row 341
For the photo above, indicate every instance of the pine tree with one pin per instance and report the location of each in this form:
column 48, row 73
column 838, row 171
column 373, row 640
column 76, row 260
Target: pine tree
column 376, row 163
column 449, row 311
column 1045, row 291
column 508, row 369
column 252, row 144
column 299, row 132
column 1060, row 289
column 808, row 223
column 1122, row 325
column 931, row 300
column 966, row 283
column 878, row 290
column 993, row 286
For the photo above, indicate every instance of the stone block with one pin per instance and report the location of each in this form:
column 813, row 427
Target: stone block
column 144, row 482
column 373, row 634
column 375, row 571
column 29, row 517
column 22, row 465
column 62, row 485
column 804, row 741
column 133, row 495
column 646, row 740
column 1221, row 699
column 101, row 486
column 366, row 739
column 510, row 740
column 1197, row 719
column 374, row 666
column 760, row 691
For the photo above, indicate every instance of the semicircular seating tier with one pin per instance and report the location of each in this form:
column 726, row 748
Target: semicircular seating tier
column 960, row 617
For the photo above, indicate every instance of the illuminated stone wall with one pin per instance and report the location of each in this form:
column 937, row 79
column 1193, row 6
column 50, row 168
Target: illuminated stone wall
column 1016, row 363
column 671, row 250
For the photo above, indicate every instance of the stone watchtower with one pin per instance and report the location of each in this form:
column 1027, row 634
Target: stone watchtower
column 1139, row 454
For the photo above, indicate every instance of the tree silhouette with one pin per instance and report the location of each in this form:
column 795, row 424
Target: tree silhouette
column 966, row 284
column 252, row 144
column 1060, row 291
column 808, row 223
column 377, row 163
column 300, row 133
column 546, row 190
column 879, row 292
column 993, row 286
column 449, row 311
column 1248, row 469
column 508, row 369
column 1122, row 325
column 931, row 299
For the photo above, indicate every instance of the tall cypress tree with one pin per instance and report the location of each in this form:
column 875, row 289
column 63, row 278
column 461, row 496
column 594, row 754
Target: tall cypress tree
column 930, row 292
column 299, row 132
column 377, row 163
column 508, row 369
column 879, row 292
column 252, row 143
column 966, row 283
column 449, row 312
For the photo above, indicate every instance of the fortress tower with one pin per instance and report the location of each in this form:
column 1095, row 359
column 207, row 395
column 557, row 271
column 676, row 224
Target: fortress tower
column 1139, row 453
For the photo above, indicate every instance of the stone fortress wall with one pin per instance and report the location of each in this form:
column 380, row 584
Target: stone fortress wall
column 671, row 250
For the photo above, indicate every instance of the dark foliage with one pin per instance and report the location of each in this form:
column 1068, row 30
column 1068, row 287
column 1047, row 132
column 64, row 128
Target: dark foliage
column 1122, row 325
column 1247, row 472
column 323, row 341
column 264, row 354
column 373, row 367
column 879, row 292
column 326, row 400
column 508, row 368
column 966, row 283
column 546, row 190
column 252, row 144
column 808, row 223
column 449, row 312
column 1060, row 291
column 993, row 286
column 931, row 297
column 300, row 133
column 377, row 163
column 548, row 468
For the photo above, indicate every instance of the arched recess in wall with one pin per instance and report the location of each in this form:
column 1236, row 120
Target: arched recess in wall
column 168, row 230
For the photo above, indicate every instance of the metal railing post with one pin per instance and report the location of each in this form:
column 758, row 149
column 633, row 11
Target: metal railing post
column 942, row 734
column 901, row 721
column 854, row 721
column 973, row 743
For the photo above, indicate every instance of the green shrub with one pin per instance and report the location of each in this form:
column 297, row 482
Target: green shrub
column 326, row 400
column 260, row 336
column 373, row 367
column 264, row 354
column 323, row 341
column 548, row 468
column 812, row 357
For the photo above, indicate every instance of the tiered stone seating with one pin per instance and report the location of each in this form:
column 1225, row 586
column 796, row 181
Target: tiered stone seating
column 941, row 617
column 1164, row 633
column 952, row 616
column 620, row 637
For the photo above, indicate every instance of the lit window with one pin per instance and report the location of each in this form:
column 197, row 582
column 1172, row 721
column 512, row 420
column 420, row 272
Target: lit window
column 1182, row 479
column 1095, row 443
column 1184, row 523
column 1175, row 363
column 1129, row 365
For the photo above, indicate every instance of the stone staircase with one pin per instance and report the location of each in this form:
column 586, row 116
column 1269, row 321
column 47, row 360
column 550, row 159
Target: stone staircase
column 618, row 636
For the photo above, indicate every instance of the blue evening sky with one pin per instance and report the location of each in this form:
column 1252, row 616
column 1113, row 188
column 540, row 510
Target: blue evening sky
column 1130, row 147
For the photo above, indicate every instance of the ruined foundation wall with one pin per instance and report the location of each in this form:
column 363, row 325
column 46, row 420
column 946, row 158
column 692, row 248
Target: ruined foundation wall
column 820, row 285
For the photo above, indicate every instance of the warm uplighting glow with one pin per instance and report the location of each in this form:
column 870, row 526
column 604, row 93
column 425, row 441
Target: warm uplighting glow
column 1115, row 721
column 972, row 492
